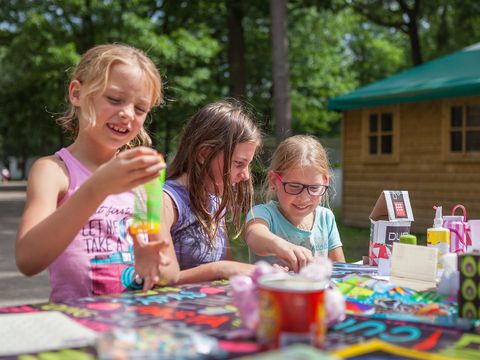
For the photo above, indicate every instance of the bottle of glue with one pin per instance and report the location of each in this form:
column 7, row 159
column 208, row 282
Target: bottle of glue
column 438, row 236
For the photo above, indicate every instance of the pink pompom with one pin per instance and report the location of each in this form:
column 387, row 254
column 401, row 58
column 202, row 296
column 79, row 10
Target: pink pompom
column 245, row 298
column 320, row 269
column 334, row 306
column 263, row 268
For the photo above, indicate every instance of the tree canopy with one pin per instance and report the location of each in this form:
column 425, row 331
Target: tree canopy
column 207, row 50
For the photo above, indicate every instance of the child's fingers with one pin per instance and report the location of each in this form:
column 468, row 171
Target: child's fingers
column 137, row 152
column 157, row 242
column 164, row 259
column 308, row 256
column 147, row 161
column 280, row 267
column 155, row 276
column 293, row 261
column 147, row 284
column 144, row 160
column 140, row 238
column 301, row 258
column 141, row 176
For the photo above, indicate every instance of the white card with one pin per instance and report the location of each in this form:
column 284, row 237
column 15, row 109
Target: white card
column 414, row 266
column 41, row 331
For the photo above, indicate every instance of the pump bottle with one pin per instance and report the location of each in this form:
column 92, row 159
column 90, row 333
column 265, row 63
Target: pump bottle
column 438, row 236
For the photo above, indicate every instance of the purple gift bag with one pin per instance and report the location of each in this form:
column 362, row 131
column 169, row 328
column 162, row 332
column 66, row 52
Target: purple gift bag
column 458, row 226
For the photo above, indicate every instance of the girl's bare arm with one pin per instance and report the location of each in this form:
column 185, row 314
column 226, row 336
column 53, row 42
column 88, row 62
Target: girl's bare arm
column 45, row 231
column 264, row 243
column 214, row 271
column 336, row 255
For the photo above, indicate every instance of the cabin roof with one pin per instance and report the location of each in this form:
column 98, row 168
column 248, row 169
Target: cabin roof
column 453, row 75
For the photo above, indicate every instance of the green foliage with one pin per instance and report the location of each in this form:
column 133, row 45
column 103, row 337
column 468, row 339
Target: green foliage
column 378, row 52
column 47, row 40
column 320, row 67
column 452, row 25
column 332, row 50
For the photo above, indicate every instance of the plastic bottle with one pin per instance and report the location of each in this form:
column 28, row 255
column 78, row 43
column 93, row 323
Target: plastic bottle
column 438, row 236
column 148, row 205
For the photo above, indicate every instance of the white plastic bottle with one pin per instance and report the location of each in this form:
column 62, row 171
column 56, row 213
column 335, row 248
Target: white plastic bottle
column 438, row 236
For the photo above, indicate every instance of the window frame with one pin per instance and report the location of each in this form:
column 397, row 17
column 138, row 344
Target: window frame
column 392, row 158
column 448, row 154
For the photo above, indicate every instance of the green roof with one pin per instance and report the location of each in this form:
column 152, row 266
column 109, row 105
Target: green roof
column 457, row 74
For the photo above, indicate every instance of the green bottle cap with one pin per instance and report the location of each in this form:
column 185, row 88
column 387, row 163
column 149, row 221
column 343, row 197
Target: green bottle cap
column 408, row 239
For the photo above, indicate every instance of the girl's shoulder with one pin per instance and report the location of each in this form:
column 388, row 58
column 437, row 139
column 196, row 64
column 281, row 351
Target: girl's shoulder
column 270, row 205
column 174, row 187
column 324, row 213
column 262, row 210
column 177, row 192
column 324, row 209
column 50, row 165
column 49, row 172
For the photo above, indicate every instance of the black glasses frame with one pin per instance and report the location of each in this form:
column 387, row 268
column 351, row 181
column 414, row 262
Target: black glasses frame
column 324, row 188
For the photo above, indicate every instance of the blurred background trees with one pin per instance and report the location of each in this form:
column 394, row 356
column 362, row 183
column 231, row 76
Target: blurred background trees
column 207, row 50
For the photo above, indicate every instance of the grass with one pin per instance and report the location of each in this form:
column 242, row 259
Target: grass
column 355, row 242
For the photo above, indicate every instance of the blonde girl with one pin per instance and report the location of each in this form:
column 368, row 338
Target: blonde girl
column 293, row 226
column 79, row 203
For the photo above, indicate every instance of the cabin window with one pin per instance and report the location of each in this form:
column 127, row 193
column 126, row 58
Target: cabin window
column 380, row 134
column 465, row 129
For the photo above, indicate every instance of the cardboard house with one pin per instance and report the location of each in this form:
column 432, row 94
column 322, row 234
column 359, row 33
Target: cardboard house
column 419, row 131
column 391, row 217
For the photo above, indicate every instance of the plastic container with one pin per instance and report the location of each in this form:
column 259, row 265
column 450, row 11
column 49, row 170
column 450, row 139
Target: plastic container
column 438, row 236
column 458, row 227
column 408, row 239
column 474, row 226
column 291, row 310
column 148, row 205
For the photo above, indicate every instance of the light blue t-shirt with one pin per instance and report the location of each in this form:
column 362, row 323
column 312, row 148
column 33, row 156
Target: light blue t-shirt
column 322, row 238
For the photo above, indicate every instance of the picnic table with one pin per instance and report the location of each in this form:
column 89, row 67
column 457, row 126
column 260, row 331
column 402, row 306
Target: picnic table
column 382, row 321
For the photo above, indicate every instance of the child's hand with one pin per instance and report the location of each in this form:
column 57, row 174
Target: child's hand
column 127, row 170
column 295, row 256
column 149, row 260
column 230, row 268
column 281, row 267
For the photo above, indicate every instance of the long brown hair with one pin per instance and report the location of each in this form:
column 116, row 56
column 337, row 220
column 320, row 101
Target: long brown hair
column 93, row 72
column 218, row 126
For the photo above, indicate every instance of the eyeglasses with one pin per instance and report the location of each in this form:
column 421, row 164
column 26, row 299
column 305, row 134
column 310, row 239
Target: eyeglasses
column 297, row 188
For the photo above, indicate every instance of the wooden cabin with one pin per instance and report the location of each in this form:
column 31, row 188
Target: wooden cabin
column 418, row 130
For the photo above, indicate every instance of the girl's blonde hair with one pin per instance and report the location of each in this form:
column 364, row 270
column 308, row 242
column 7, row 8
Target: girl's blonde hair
column 218, row 127
column 93, row 73
column 299, row 151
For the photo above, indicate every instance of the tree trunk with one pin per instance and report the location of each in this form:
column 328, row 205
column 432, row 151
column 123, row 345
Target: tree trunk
column 415, row 42
column 87, row 35
column 281, row 99
column 236, row 50
column 443, row 33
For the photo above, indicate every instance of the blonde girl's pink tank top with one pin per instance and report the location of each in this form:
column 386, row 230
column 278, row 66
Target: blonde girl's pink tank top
column 100, row 258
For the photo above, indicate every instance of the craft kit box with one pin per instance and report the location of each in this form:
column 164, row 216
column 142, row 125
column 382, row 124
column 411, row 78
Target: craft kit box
column 469, row 293
column 391, row 217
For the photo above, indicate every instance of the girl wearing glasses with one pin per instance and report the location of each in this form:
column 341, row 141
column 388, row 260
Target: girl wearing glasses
column 293, row 226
